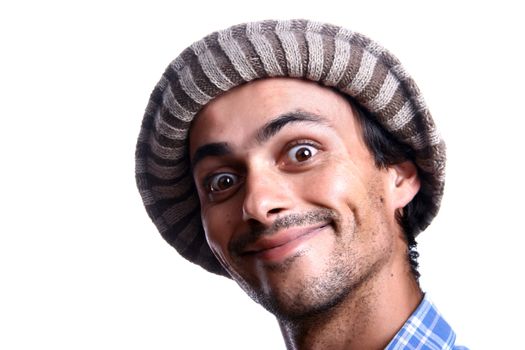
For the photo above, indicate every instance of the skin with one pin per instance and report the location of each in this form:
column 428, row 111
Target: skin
column 295, row 209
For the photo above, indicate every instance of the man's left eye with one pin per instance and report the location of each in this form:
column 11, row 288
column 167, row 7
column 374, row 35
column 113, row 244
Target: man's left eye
column 302, row 153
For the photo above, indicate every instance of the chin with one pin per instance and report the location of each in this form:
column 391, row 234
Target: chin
column 299, row 298
column 298, row 288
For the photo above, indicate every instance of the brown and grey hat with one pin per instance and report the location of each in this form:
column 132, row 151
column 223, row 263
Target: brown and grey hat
column 330, row 55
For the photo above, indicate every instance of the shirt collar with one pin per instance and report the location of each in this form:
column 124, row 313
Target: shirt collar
column 425, row 328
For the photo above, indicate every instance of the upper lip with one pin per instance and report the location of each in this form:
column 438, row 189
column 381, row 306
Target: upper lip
column 279, row 238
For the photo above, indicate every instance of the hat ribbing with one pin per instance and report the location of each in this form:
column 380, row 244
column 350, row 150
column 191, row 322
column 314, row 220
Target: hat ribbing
column 324, row 53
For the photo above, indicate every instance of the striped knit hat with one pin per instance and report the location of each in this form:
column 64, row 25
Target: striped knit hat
column 324, row 53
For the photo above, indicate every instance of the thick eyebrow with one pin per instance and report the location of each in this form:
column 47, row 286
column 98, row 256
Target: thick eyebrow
column 272, row 127
column 210, row 150
column 267, row 131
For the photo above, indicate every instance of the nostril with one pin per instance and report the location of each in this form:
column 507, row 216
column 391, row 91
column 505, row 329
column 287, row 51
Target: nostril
column 274, row 211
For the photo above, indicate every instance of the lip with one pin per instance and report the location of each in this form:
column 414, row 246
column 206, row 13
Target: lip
column 279, row 246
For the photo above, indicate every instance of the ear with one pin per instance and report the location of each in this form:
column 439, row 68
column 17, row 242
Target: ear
column 404, row 183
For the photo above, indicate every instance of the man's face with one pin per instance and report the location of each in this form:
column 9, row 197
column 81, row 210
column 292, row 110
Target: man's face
column 291, row 201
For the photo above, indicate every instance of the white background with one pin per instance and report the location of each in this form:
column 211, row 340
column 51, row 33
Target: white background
column 82, row 266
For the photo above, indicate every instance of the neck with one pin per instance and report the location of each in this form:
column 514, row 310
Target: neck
column 368, row 318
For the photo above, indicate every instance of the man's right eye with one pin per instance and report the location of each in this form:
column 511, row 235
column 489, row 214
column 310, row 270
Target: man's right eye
column 221, row 182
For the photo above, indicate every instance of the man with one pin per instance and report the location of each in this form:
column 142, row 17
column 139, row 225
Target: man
column 300, row 160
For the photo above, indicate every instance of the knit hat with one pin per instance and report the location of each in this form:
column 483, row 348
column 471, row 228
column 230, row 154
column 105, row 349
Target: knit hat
column 324, row 53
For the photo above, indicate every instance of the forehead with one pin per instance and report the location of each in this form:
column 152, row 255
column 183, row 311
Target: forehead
column 236, row 115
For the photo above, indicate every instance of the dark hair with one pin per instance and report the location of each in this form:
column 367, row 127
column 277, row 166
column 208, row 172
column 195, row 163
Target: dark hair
column 388, row 151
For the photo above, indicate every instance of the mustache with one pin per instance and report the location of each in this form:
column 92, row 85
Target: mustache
column 238, row 245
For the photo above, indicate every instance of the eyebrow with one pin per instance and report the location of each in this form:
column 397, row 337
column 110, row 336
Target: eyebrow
column 266, row 132
column 272, row 127
column 210, row 150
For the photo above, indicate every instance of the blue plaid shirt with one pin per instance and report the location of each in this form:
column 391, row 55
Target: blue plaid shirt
column 425, row 329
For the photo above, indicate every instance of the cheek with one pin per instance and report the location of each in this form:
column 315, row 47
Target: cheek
column 339, row 181
column 215, row 228
column 217, row 223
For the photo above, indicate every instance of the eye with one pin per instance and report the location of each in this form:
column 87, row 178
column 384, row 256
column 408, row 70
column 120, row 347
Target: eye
column 302, row 152
column 222, row 182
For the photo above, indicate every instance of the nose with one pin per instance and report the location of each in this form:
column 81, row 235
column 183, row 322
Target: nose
column 267, row 194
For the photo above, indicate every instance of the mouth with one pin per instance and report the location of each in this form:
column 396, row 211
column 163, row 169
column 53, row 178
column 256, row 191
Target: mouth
column 281, row 245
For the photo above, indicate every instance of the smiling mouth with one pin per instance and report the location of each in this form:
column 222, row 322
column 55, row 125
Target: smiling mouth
column 283, row 244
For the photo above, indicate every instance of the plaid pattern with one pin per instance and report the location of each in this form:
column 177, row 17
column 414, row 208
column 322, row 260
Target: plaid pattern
column 425, row 329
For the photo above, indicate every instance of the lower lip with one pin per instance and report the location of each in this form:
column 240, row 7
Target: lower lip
column 286, row 250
